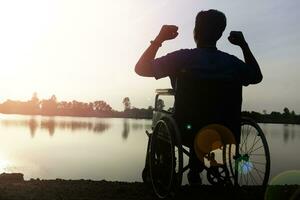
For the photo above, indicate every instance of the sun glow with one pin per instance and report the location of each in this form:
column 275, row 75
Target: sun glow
column 51, row 47
column 4, row 166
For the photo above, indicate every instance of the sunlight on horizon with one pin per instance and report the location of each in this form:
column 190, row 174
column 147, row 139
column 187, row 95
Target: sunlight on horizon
column 47, row 50
column 5, row 164
column 39, row 38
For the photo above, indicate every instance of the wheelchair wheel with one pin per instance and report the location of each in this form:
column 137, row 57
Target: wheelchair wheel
column 165, row 158
column 146, row 175
column 250, row 162
column 218, row 175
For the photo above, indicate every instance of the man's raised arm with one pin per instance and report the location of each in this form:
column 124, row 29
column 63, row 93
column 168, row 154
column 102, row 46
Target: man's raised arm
column 144, row 65
column 237, row 38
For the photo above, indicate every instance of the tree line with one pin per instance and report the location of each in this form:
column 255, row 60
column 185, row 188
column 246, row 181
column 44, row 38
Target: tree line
column 53, row 107
column 100, row 108
column 286, row 117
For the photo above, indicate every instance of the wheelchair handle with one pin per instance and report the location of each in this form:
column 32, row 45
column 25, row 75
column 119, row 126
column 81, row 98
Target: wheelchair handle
column 165, row 91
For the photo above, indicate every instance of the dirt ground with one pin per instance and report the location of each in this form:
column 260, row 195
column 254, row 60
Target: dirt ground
column 86, row 190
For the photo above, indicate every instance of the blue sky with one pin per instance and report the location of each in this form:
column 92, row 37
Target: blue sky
column 87, row 49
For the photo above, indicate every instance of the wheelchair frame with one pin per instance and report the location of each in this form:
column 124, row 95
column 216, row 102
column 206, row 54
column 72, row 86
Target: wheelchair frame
column 233, row 171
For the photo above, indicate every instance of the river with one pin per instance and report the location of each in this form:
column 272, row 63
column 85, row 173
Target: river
column 104, row 148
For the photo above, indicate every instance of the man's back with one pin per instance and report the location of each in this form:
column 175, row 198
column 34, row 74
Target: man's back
column 202, row 102
column 208, row 87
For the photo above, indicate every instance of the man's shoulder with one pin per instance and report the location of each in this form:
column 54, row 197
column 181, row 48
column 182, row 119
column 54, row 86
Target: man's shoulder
column 228, row 57
column 225, row 54
column 203, row 52
column 182, row 51
column 180, row 54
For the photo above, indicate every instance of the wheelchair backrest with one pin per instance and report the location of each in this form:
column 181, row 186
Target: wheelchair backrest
column 214, row 99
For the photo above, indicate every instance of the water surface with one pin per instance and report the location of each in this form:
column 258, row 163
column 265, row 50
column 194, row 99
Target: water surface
column 97, row 148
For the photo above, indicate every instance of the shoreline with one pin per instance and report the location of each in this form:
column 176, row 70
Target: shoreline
column 13, row 187
column 107, row 190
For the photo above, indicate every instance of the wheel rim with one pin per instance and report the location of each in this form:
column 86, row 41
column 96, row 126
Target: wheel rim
column 162, row 162
column 251, row 164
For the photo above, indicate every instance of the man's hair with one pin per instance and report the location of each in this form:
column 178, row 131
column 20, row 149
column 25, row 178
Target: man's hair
column 209, row 26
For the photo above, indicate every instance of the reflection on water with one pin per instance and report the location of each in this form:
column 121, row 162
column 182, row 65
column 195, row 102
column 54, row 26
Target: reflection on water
column 126, row 129
column 288, row 132
column 284, row 148
column 51, row 124
column 285, row 133
column 134, row 125
column 76, row 150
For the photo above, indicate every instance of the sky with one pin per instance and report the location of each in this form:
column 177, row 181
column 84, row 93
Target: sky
column 87, row 49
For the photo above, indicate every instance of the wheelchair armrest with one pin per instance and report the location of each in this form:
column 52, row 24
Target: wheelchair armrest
column 165, row 91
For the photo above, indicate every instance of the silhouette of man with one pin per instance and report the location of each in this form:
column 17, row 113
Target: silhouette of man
column 207, row 81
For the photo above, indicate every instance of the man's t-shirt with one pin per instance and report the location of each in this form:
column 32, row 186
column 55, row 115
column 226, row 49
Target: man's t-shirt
column 208, row 85
column 212, row 63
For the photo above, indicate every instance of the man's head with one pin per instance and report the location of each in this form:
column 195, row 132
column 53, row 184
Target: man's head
column 209, row 26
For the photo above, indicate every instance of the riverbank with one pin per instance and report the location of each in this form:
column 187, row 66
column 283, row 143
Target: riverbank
column 105, row 190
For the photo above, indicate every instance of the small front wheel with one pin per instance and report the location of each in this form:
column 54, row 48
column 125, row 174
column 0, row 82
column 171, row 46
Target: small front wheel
column 218, row 175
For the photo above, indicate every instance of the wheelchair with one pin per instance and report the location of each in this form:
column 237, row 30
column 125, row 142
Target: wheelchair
column 244, row 164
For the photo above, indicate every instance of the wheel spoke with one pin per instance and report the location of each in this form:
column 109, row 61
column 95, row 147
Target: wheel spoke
column 253, row 179
column 244, row 141
column 257, row 171
column 254, row 143
column 241, row 176
column 256, row 148
column 246, row 146
column 247, row 176
column 256, row 154
column 259, row 163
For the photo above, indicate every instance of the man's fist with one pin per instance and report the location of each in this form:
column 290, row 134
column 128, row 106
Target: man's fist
column 167, row 32
column 237, row 38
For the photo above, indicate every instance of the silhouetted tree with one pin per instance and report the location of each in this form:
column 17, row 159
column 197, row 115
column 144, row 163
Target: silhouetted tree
column 102, row 106
column 49, row 106
column 127, row 104
column 33, row 106
column 293, row 113
column 264, row 112
column 286, row 111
